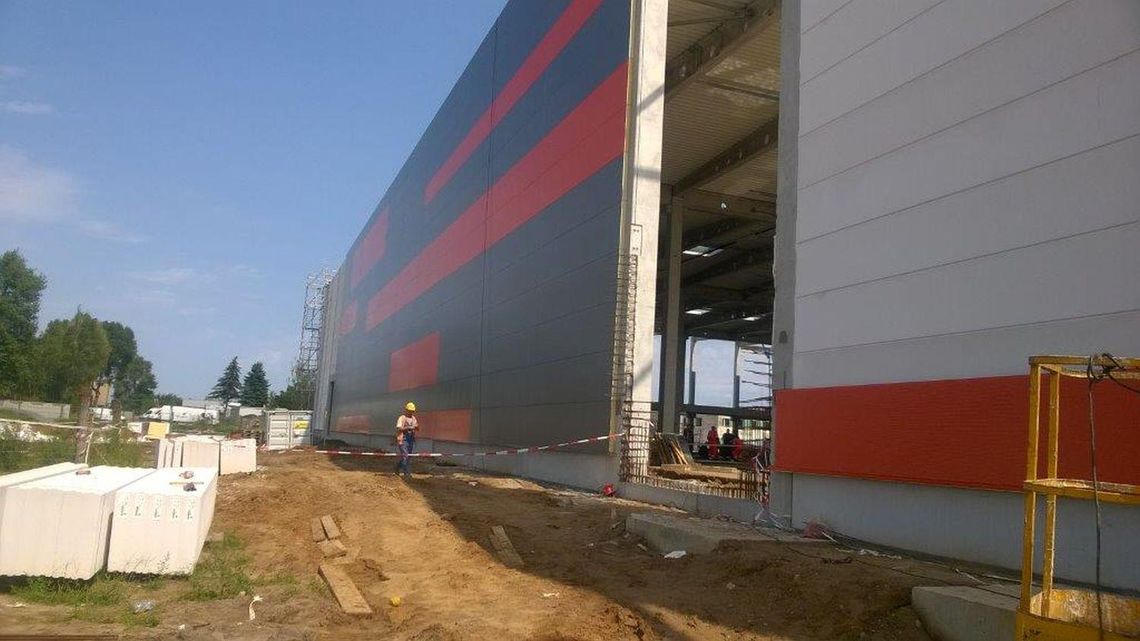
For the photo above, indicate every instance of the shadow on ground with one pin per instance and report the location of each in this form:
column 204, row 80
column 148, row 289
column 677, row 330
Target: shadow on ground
column 746, row 591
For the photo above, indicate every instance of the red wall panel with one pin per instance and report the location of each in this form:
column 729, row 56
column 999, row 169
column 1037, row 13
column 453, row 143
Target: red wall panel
column 415, row 365
column 555, row 40
column 446, row 425
column 371, row 248
column 965, row 433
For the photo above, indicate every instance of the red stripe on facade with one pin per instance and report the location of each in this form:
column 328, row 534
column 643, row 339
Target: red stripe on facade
column 965, row 433
column 446, row 425
column 371, row 248
column 555, row 40
column 358, row 424
column 589, row 138
column 348, row 318
column 415, row 365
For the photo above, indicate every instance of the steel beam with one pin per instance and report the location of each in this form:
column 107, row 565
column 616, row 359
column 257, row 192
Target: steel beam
column 741, row 151
column 728, row 36
column 755, row 258
column 722, row 232
column 741, row 88
column 673, row 336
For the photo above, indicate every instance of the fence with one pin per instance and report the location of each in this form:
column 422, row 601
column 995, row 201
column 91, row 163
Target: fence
column 40, row 411
column 636, row 449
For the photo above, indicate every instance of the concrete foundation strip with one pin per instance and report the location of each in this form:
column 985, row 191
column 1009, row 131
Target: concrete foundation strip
column 514, row 450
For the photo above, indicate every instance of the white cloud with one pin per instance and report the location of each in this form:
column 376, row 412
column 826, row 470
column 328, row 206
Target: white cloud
column 27, row 108
column 171, row 276
column 32, row 192
column 11, row 71
column 104, row 230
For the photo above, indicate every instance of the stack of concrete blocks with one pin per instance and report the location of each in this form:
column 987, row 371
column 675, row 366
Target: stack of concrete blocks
column 201, row 451
column 161, row 521
column 169, row 453
column 238, row 456
column 59, row 525
column 16, row 478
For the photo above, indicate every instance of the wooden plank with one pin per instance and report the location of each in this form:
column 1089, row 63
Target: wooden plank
column 345, row 591
column 332, row 548
column 505, row 549
column 317, row 530
column 331, row 530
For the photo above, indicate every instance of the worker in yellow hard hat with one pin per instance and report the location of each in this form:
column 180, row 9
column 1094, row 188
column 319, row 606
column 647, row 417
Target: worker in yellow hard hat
column 406, row 428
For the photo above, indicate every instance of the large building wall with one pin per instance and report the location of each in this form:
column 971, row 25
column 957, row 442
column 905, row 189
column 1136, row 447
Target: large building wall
column 966, row 196
column 484, row 285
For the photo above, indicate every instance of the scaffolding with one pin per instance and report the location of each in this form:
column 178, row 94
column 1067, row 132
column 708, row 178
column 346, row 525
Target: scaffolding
column 312, row 319
column 1069, row 614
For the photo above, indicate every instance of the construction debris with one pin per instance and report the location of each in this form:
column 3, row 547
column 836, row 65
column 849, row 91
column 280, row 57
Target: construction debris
column 317, row 530
column 332, row 548
column 329, row 525
column 347, row 594
column 505, row 549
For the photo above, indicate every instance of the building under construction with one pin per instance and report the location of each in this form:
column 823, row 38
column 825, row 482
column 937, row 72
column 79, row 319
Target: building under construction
column 901, row 201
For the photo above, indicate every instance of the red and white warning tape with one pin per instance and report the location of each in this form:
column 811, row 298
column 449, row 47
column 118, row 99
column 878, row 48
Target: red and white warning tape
column 513, row 450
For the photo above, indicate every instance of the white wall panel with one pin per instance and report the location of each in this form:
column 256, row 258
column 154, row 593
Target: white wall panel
column 1095, row 108
column 947, row 31
column 990, row 352
column 1086, row 192
column 1095, row 273
column 813, row 12
column 1070, row 39
column 852, row 28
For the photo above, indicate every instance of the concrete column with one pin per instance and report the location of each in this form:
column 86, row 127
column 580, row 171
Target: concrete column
column 784, row 263
column 735, row 375
column 641, row 189
column 673, row 339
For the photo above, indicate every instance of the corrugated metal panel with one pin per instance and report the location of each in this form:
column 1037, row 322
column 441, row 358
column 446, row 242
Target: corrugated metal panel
column 502, row 226
column 685, row 18
column 732, row 99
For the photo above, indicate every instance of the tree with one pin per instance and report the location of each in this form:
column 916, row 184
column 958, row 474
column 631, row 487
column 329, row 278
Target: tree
column 228, row 386
column 255, row 387
column 298, row 395
column 134, row 390
column 20, row 290
column 73, row 354
column 166, row 399
column 124, row 349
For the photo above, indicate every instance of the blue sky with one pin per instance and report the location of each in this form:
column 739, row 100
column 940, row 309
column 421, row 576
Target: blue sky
column 180, row 167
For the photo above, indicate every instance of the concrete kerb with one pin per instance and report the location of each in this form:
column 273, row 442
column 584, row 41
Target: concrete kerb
column 966, row 613
column 666, row 533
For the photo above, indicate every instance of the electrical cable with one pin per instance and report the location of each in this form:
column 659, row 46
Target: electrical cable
column 1095, row 377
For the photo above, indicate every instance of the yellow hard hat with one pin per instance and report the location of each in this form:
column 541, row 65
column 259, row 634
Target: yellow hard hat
column 411, row 407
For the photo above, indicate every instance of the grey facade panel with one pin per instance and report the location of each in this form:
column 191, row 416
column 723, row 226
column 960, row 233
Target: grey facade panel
column 502, row 221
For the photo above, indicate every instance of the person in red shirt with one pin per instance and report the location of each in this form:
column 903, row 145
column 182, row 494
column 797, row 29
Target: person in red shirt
column 713, row 440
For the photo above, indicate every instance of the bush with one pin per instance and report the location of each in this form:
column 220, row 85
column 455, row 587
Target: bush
column 221, row 571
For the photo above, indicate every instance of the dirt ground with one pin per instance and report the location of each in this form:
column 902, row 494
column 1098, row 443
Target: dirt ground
column 426, row 541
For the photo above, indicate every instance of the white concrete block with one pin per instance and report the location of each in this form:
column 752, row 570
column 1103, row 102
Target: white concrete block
column 58, row 526
column 200, row 451
column 16, row 478
column 160, row 524
column 238, row 456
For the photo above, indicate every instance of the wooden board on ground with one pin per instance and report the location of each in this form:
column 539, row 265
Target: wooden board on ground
column 332, row 548
column 329, row 525
column 345, row 591
column 504, row 547
column 702, row 473
column 317, row 530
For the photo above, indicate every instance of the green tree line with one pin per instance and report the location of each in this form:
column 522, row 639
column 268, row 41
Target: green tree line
column 73, row 358
column 253, row 390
